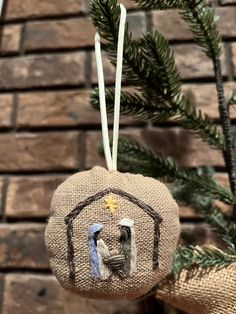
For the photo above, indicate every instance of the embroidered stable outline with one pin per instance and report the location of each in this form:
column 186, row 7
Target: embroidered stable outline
column 69, row 219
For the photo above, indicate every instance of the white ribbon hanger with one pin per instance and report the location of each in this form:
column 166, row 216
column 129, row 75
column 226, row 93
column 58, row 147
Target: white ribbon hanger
column 111, row 158
column 1, row 6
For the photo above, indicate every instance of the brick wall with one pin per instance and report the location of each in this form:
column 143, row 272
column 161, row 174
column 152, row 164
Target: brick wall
column 49, row 131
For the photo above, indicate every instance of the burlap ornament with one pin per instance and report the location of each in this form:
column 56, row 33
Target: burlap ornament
column 111, row 235
column 145, row 201
column 201, row 292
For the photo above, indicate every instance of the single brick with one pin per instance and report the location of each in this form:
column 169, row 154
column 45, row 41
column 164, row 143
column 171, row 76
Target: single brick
column 38, row 151
column 108, row 68
column 10, row 39
column 22, row 246
column 187, row 212
column 227, row 22
column 204, row 97
column 55, row 109
column 223, row 2
column 39, row 294
column 188, row 150
column 27, row 9
column 32, row 294
column 73, row 33
column 137, row 24
column 192, row 63
column 31, row 196
column 66, row 108
column 6, row 102
column 129, row 4
column 41, row 71
column 170, row 25
column 178, row 29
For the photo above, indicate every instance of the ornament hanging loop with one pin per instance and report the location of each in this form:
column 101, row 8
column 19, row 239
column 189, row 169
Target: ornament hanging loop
column 111, row 158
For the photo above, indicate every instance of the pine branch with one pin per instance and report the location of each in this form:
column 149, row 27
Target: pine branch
column 105, row 15
column 195, row 187
column 160, row 4
column 202, row 23
column 133, row 104
column 135, row 158
column 197, row 122
column 157, row 51
column 229, row 151
column 232, row 98
column 140, row 107
column 200, row 18
column 149, row 64
column 188, row 257
column 224, row 228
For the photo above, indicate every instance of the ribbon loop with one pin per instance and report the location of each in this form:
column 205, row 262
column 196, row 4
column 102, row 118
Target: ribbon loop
column 111, row 158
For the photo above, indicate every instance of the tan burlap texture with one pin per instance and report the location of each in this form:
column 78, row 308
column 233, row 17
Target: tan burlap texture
column 196, row 292
column 84, row 184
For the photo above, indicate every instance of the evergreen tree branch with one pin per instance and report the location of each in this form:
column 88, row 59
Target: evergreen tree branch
column 156, row 50
column 197, row 122
column 142, row 108
column 149, row 64
column 188, row 257
column 160, row 4
column 133, row 104
column 223, row 226
column 200, row 18
column 202, row 23
column 135, row 158
column 229, row 151
column 232, row 98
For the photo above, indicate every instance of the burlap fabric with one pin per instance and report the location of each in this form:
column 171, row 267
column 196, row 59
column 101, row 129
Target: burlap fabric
column 197, row 293
column 82, row 185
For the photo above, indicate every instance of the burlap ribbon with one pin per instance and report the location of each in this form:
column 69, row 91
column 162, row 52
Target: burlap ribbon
column 202, row 292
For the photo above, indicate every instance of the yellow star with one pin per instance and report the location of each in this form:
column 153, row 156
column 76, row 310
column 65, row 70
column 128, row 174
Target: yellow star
column 110, row 204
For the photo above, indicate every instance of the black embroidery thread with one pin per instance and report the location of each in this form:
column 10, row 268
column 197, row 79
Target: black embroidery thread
column 125, row 241
column 69, row 219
